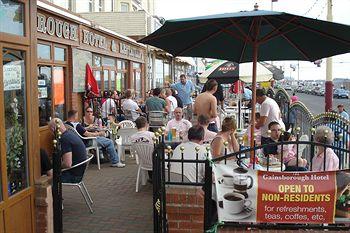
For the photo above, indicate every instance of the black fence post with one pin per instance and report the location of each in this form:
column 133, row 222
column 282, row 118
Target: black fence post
column 162, row 185
column 156, row 191
column 207, row 197
column 57, row 182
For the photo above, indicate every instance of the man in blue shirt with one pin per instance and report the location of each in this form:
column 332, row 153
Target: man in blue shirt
column 185, row 89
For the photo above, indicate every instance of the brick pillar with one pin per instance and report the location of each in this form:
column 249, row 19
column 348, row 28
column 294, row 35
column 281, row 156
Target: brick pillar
column 185, row 209
column 43, row 205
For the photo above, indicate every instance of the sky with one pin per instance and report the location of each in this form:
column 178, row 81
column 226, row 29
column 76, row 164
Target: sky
column 171, row 9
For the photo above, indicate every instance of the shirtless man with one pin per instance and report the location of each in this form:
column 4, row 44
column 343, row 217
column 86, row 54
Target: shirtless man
column 206, row 104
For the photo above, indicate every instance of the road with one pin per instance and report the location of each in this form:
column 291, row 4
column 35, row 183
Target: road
column 316, row 103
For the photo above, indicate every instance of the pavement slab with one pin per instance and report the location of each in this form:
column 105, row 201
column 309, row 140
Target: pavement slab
column 117, row 207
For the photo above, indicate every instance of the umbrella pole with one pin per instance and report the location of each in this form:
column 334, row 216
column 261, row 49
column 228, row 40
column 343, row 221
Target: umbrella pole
column 255, row 60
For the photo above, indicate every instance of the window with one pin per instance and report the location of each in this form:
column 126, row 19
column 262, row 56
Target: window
column 108, row 5
column 159, row 73
column 15, row 120
column 113, row 80
column 51, row 82
column 44, row 51
column 137, row 78
column 122, row 74
column 97, row 61
column 91, row 5
column 82, row 6
column 108, row 61
column 167, row 72
column 124, row 7
column 98, row 6
column 44, row 94
column 60, row 54
column 12, row 17
column 105, row 80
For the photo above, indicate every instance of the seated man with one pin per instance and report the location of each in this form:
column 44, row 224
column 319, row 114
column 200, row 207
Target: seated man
column 195, row 137
column 102, row 141
column 143, row 135
column 131, row 105
column 73, row 152
column 275, row 129
column 181, row 125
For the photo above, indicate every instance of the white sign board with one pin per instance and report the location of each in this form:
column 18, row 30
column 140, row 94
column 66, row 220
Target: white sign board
column 42, row 92
column 12, row 77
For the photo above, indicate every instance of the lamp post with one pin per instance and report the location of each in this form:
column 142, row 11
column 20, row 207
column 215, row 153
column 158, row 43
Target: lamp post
column 329, row 78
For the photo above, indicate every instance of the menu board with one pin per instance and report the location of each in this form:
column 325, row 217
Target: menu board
column 80, row 58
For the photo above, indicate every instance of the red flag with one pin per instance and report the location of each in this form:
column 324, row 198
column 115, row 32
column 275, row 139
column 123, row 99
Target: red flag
column 237, row 87
column 91, row 83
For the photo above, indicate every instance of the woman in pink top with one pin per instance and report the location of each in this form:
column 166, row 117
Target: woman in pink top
column 324, row 135
column 294, row 98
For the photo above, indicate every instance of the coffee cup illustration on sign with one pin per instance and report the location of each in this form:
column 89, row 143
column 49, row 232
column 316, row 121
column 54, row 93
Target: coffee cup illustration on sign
column 235, row 203
column 242, row 182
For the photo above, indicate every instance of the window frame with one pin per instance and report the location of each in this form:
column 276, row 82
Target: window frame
column 25, row 39
column 52, row 64
column 29, row 115
column 124, row 4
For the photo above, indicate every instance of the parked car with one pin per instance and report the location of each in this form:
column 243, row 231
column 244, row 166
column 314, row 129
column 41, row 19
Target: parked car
column 288, row 88
column 335, row 93
column 343, row 94
column 321, row 92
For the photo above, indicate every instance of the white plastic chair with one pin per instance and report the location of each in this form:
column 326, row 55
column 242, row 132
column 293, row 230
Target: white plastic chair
column 157, row 119
column 130, row 113
column 80, row 184
column 94, row 145
column 126, row 124
column 124, row 142
column 144, row 152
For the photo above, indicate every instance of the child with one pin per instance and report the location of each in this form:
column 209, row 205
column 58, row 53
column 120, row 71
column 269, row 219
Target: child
column 289, row 154
column 113, row 124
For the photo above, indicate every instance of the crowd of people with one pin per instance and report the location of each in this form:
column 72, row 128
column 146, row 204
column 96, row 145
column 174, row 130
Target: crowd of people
column 196, row 124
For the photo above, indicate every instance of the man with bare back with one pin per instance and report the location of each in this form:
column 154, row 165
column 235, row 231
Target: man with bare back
column 206, row 104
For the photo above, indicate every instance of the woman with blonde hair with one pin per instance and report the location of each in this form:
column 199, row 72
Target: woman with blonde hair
column 227, row 134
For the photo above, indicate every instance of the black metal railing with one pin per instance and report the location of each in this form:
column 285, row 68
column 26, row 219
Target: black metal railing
column 162, row 178
column 56, row 181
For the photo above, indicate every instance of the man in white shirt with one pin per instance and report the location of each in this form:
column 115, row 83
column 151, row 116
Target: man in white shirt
column 131, row 105
column 109, row 106
column 142, row 135
column 269, row 112
column 195, row 137
column 181, row 125
column 172, row 100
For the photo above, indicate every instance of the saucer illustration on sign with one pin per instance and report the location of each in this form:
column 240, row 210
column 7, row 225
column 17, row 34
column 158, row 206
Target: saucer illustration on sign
column 247, row 212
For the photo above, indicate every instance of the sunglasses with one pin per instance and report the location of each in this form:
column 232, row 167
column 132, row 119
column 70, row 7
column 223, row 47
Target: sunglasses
column 88, row 111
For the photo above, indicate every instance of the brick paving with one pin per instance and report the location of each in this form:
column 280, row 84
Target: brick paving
column 117, row 207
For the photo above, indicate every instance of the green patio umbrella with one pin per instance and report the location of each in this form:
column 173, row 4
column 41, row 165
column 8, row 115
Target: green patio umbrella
column 251, row 36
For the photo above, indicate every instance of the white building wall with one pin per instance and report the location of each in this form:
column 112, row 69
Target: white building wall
column 125, row 23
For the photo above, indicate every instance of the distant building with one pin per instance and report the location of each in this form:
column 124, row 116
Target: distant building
column 135, row 19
